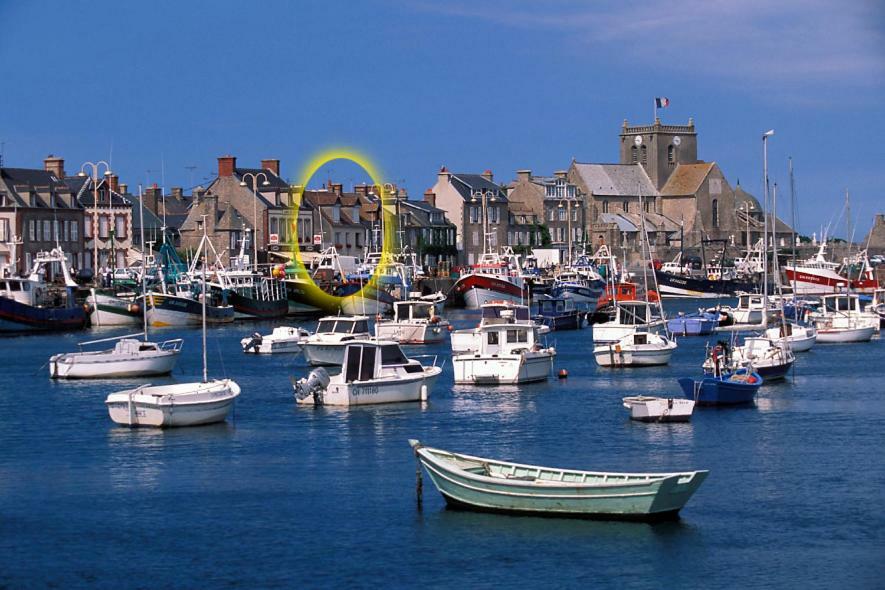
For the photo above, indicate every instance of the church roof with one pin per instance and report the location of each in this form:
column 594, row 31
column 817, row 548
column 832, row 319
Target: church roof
column 615, row 179
column 741, row 196
column 686, row 179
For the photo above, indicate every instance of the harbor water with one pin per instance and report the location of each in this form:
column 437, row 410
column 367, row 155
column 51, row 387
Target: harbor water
column 283, row 496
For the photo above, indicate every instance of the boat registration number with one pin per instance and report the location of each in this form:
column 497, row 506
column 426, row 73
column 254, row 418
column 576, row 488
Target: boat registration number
column 365, row 390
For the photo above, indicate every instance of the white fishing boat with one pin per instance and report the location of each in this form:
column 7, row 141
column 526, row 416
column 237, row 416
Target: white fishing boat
column 629, row 317
column 181, row 404
column 877, row 306
column 281, row 339
column 491, row 485
column 840, row 319
column 414, row 322
column 494, row 312
column 635, row 350
column 770, row 359
column 114, row 309
column 128, row 358
column 798, row 337
column 750, row 309
column 645, row 408
column 333, row 334
column 504, row 353
column 374, row 372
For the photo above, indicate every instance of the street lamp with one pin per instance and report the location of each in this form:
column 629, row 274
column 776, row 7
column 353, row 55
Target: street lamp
column 485, row 217
column 265, row 182
column 94, row 166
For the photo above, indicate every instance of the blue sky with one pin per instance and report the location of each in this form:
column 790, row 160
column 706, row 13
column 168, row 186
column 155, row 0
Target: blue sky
column 472, row 85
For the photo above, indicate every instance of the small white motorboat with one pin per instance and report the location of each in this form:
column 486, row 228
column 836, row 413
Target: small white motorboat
column 281, row 339
column 326, row 345
column 128, row 358
column 799, row 338
column 659, row 409
column 504, row 353
column 374, row 372
column 639, row 349
column 414, row 322
column 841, row 320
column 629, row 316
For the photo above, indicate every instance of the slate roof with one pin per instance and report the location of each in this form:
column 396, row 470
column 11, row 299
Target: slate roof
column 273, row 180
column 619, row 180
column 86, row 196
column 686, row 179
column 466, row 184
column 35, row 180
column 151, row 221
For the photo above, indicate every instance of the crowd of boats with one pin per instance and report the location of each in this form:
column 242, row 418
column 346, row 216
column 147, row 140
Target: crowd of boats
column 757, row 340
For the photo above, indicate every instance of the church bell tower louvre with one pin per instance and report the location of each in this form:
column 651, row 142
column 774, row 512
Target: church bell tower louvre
column 659, row 148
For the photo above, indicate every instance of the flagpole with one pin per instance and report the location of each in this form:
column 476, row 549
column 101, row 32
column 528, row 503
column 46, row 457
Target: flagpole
column 655, row 107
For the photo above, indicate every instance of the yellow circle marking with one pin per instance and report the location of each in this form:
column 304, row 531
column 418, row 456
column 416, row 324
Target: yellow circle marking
column 315, row 294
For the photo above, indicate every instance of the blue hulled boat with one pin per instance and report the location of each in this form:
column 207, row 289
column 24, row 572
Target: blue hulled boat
column 693, row 324
column 728, row 389
column 559, row 313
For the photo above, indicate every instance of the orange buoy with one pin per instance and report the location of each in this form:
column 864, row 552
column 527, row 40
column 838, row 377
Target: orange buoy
column 451, row 327
column 563, row 373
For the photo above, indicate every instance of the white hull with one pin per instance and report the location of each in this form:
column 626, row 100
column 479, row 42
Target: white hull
column 411, row 332
column 842, row 335
column 377, row 391
column 275, row 347
column 186, row 404
column 163, row 318
column 113, row 311
column 643, row 355
column 107, row 366
column 476, row 297
column 504, row 369
column 659, row 409
column 801, row 340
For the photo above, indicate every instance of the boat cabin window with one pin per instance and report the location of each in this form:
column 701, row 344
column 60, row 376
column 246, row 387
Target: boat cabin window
column 546, row 306
column 633, row 314
column 326, row 326
column 16, row 286
column 392, row 355
column 493, row 337
column 420, row 312
column 640, row 338
column 360, row 364
column 744, row 301
column 360, row 326
column 517, row 336
column 839, row 304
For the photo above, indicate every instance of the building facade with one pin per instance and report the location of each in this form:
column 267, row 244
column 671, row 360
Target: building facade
column 553, row 202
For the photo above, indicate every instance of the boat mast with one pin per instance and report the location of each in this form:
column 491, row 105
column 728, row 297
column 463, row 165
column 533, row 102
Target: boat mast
column 793, row 220
column 143, row 263
column 203, row 273
column 765, row 137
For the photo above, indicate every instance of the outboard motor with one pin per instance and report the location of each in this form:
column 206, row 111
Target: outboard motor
column 253, row 344
column 314, row 384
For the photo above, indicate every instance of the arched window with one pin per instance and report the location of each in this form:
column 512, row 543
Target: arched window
column 635, row 154
column 626, row 206
column 715, row 209
column 644, row 154
column 605, row 206
column 671, row 154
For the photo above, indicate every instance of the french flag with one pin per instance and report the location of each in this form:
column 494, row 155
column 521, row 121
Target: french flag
column 662, row 102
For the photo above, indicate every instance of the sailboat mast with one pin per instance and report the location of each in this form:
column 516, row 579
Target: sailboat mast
column 143, row 263
column 793, row 220
column 203, row 274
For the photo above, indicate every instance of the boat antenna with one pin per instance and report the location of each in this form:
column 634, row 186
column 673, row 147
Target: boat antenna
column 203, row 274
column 793, row 220
column 143, row 263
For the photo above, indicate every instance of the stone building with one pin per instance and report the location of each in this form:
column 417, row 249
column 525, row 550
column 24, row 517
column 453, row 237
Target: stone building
column 38, row 210
column 472, row 202
column 876, row 237
column 107, row 221
column 235, row 212
column 424, row 229
column 552, row 201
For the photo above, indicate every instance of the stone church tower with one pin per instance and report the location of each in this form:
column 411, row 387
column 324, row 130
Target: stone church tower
column 659, row 148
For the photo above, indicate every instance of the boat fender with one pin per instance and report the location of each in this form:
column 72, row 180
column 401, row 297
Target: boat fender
column 618, row 348
column 134, row 308
column 751, row 379
column 88, row 308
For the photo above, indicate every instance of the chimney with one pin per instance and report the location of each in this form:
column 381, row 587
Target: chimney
column 524, row 175
column 361, row 190
column 152, row 199
column 488, row 175
column 444, row 175
column 337, row 187
column 560, row 174
column 177, row 192
column 272, row 165
column 54, row 165
column 124, row 188
column 114, row 183
column 227, row 165
column 430, row 197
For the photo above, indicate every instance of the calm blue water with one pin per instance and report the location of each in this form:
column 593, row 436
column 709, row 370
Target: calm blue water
column 286, row 496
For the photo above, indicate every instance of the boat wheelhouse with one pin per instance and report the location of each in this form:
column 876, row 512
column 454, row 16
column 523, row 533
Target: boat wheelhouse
column 840, row 318
column 414, row 322
column 559, row 313
column 629, row 317
column 326, row 345
column 373, row 372
column 494, row 277
column 504, row 353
